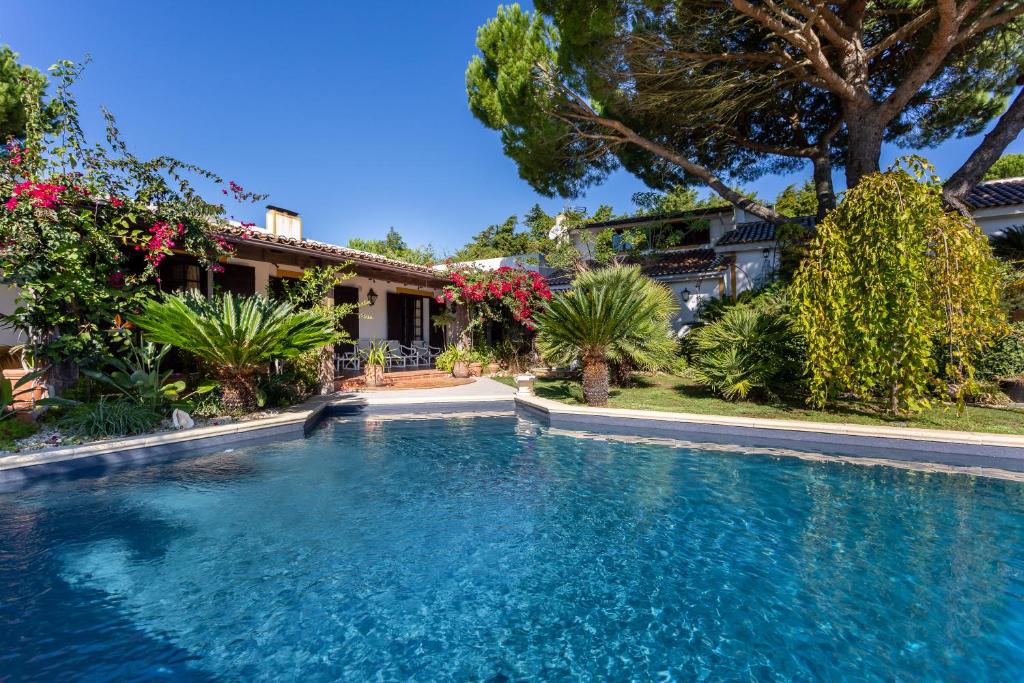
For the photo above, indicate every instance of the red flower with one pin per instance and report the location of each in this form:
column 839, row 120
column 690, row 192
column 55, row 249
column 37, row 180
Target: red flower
column 116, row 203
column 116, row 280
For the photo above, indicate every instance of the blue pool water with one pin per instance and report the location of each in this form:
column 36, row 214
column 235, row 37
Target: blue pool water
column 491, row 549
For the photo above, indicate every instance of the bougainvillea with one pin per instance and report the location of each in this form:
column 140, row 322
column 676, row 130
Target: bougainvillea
column 498, row 295
column 84, row 227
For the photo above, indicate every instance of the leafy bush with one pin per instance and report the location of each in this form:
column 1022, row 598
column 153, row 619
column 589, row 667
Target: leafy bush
column 984, row 393
column 1005, row 358
column 137, row 376
column 749, row 350
column 890, row 279
column 237, row 337
column 117, row 416
column 452, row 354
column 12, row 430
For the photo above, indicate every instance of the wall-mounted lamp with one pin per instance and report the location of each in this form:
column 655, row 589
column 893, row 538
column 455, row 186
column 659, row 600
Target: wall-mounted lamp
column 685, row 295
column 371, row 296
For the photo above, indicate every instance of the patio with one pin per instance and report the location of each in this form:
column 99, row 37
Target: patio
column 417, row 355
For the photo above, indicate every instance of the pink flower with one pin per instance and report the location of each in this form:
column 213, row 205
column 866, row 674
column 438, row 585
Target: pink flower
column 11, row 204
column 116, row 203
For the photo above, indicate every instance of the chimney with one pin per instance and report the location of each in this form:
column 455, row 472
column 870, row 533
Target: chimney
column 283, row 223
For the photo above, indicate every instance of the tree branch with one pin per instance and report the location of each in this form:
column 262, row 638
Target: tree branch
column 582, row 111
column 942, row 42
column 971, row 172
column 902, row 33
column 804, row 40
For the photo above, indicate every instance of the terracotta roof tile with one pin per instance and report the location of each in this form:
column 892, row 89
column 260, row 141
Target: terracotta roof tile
column 758, row 231
column 241, row 235
column 668, row 264
column 993, row 193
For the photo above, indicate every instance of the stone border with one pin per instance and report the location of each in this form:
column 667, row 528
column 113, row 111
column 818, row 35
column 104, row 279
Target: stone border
column 958, row 449
column 20, row 468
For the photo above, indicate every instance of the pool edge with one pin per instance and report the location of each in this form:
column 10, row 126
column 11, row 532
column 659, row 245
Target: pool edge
column 959, row 449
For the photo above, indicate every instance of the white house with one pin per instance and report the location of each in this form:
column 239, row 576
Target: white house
column 722, row 252
column 396, row 298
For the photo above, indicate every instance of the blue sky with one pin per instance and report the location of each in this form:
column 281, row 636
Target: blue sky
column 353, row 114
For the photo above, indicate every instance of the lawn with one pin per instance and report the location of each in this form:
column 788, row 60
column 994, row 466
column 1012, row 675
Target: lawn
column 682, row 395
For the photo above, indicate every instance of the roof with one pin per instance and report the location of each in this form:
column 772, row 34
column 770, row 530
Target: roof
column 758, row 231
column 992, row 193
column 249, row 236
column 658, row 218
column 669, row 264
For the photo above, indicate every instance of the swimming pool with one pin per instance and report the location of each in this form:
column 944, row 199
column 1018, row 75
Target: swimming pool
column 497, row 549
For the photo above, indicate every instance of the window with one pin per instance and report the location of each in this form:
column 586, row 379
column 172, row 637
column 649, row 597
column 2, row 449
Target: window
column 417, row 319
column 182, row 273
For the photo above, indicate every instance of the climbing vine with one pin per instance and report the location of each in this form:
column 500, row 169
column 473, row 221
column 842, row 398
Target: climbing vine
column 84, row 227
column 896, row 294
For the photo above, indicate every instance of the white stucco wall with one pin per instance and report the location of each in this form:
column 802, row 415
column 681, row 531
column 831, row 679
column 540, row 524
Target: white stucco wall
column 755, row 265
column 994, row 220
column 8, row 302
column 700, row 290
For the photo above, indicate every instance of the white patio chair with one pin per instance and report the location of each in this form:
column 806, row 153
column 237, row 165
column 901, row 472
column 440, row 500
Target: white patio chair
column 400, row 355
column 425, row 353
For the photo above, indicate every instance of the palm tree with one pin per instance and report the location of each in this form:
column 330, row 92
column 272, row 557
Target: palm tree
column 1008, row 245
column 237, row 337
column 611, row 314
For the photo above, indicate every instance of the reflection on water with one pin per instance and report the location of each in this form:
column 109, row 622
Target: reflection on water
column 472, row 549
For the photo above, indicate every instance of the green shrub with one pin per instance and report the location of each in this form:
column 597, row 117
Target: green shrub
column 12, row 430
column 237, row 337
column 108, row 417
column 891, row 279
column 1005, row 358
column 749, row 350
column 984, row 393
column 446, row 359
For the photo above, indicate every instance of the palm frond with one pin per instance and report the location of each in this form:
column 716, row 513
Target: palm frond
column 237, row 333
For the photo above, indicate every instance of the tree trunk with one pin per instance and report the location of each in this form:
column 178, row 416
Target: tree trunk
column 823, row 187
column 595, row 380
column 864, row 147
column 238, row 392
column 991, row 148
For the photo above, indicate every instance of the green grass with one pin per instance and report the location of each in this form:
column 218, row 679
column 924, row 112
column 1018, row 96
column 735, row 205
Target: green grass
column 12, row 429
column 682, row 395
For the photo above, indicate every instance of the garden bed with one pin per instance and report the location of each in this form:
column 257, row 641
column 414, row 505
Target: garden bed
column 679, row 394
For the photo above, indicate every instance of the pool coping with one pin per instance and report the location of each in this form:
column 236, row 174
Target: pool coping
column 960, row 449
column 293, row 422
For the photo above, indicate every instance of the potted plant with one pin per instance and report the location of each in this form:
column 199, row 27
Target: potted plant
column 454, row 360
column 25, row 391
column 375, row 357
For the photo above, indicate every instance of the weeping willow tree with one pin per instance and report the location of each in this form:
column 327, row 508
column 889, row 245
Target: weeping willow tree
column 896, row 294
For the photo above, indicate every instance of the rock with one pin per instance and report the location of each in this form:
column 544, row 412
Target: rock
column 182, row 420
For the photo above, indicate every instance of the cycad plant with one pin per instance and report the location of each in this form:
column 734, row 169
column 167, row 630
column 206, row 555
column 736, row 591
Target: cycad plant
column 749, row 349
column 611, row 314
column 236, row 337
column 1008, row 245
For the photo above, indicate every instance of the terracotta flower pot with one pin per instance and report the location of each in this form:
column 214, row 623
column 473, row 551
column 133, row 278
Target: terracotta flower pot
column 374, row 375
column 476, row 369
column 493, row 368
column 27, row 394
column 460, row 369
